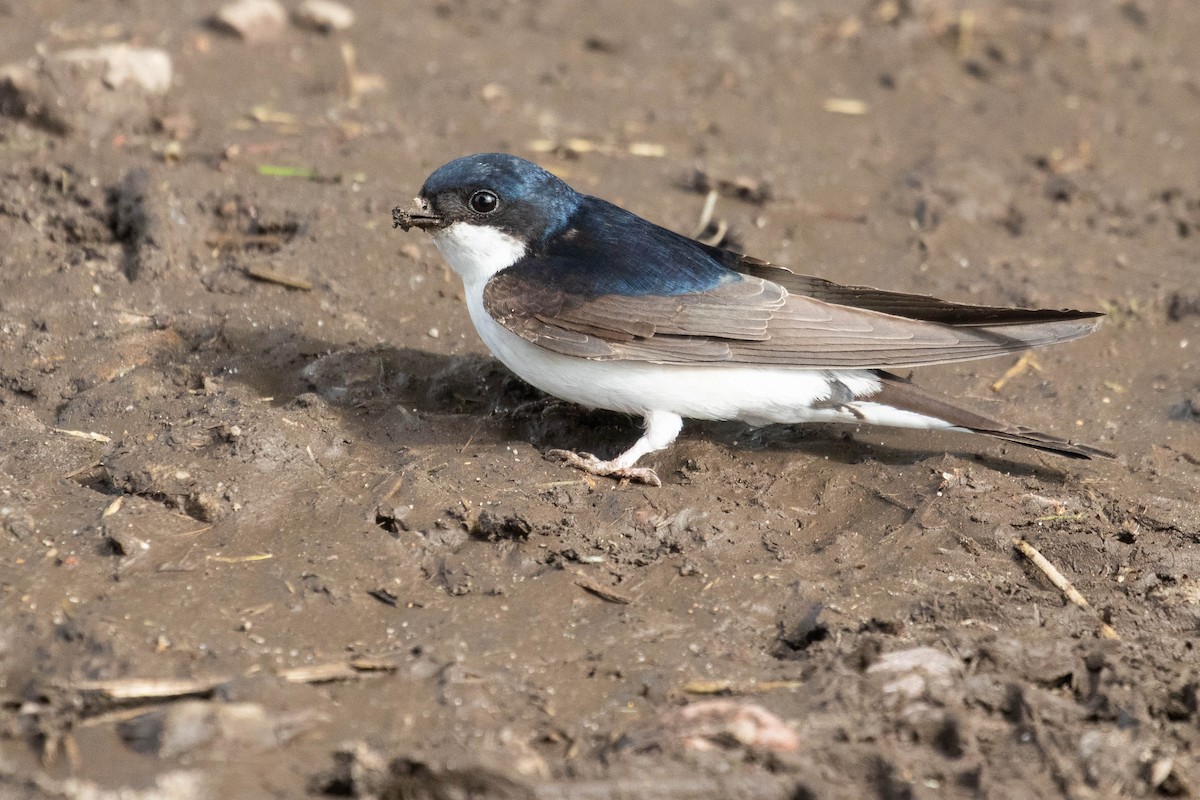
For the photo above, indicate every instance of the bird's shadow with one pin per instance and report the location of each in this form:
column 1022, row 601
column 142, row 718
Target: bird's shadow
column 388, row 394
column 846, row 444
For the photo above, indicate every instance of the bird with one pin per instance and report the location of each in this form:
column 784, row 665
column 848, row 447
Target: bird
column 597, row 306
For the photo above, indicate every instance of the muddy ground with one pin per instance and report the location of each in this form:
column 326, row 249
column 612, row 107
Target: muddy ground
column 292, row 534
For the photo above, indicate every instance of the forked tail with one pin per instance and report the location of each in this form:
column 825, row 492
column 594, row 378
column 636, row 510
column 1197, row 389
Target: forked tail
column 902, row 394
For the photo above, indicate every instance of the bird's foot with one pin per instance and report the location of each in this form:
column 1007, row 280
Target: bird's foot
column 612, row 469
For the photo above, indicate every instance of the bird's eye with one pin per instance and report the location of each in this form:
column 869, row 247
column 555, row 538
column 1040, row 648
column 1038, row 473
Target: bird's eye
column 484, row 202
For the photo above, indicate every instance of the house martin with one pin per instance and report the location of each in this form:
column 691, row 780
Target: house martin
column 597, row 306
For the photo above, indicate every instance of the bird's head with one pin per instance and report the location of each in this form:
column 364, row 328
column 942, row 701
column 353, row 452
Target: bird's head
column 485, row 211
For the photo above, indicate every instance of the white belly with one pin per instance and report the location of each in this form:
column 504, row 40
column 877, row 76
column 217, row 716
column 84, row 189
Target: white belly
column 757, row 395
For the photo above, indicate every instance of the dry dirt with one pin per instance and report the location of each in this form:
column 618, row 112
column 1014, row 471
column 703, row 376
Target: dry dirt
column 315, row 519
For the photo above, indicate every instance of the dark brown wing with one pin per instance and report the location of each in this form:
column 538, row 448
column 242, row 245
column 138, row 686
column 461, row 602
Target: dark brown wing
column 752, row 321
column 912, row 306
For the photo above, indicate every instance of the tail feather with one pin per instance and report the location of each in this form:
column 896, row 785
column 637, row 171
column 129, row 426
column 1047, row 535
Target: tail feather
column 899, row 393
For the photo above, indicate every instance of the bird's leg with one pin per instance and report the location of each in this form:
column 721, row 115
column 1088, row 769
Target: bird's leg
column 661, row 428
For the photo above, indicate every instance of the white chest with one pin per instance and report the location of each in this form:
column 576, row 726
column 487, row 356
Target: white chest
column 477, row 252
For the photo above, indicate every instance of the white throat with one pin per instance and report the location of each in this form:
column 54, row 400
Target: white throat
column 477, row 252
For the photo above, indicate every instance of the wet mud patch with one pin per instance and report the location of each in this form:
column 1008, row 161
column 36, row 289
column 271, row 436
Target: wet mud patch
column 273, row 521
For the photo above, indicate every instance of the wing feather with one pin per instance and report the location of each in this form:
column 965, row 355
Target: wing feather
column 912, row 306
column 756, row 320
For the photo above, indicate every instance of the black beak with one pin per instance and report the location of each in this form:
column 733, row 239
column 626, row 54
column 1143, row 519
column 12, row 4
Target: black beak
column 419, row 216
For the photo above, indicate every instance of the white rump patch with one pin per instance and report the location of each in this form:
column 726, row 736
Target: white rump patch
column 879, row 414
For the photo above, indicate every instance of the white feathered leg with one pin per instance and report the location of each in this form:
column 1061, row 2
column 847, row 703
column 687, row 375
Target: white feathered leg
column 661, row 429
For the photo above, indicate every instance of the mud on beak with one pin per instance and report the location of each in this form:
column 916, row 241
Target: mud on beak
column 418, row 215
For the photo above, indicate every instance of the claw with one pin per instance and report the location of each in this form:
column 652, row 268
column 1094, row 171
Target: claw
column 594, row 466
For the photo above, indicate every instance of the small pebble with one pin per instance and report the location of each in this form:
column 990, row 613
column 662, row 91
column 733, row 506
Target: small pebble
column 324, row 16
column 253, row 20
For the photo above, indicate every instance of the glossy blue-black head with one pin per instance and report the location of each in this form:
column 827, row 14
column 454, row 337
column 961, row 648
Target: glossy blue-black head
column 496, row 190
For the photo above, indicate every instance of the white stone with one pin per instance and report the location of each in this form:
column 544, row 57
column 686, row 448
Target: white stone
column 145, row 67
column 253, row 20
column 324, row 15
column 911, row 673
column 95, row 90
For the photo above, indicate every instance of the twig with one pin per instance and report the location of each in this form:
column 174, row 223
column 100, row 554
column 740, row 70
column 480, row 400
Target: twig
column 196, row 532
column 137, row 689
column 571, row 148
column 471, row 438
column 358, row 83
column 845, row 105
column 76, row 473
column 706, row 213
column 601, row 591
column 966, row 31
column 1023, row 363
column 338, row 670
column 718, row 235
column 239, row 559
column 1065, row 586
column 739, row 687
column 267, row 275
column 90, row 436
column 111, row 717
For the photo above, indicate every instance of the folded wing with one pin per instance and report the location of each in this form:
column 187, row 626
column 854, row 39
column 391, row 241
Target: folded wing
column 766, row 315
